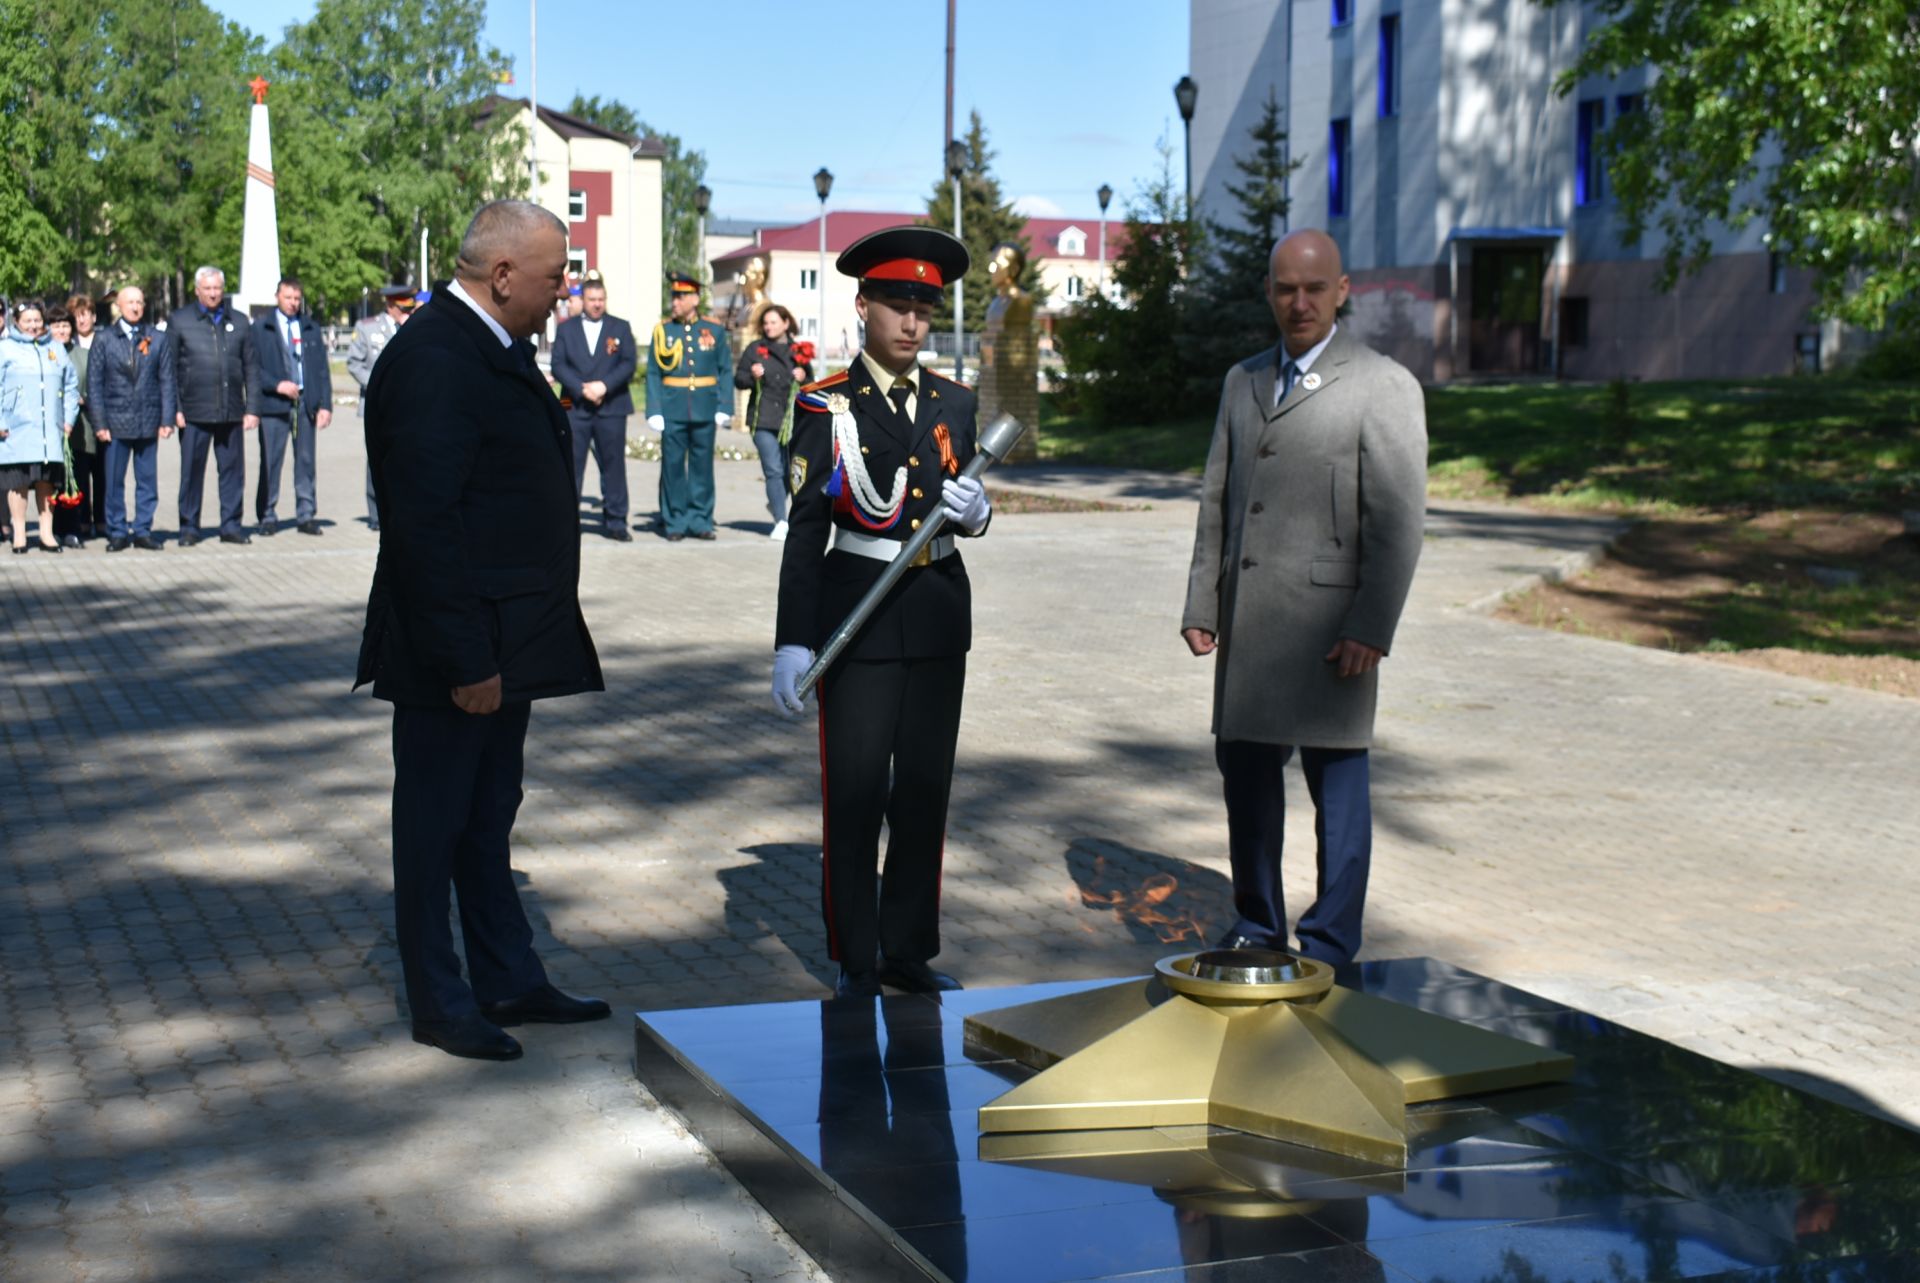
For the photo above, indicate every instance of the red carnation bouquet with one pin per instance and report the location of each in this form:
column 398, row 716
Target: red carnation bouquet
column 803, row 353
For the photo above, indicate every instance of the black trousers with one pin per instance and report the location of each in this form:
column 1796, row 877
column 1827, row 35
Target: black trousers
column 606, row 436
column 229, row 444
column 887, row 735
column 456, row 789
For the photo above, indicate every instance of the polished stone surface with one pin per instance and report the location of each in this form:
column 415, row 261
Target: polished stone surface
column 854, row 1121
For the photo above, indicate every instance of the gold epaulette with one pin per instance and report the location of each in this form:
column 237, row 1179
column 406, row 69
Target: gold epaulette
column 827, row 382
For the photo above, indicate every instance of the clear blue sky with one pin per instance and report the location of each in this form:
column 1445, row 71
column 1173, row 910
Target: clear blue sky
column 1074, row 93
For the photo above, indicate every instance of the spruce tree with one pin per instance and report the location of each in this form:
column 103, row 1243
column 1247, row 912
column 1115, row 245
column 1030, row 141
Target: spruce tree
column 1228, row 317
column 985, row 221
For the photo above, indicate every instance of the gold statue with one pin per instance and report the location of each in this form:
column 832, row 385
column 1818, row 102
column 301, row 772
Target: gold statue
column 1010, row 350
column 752, row 296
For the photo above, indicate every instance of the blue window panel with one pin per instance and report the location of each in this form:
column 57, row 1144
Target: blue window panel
column 1339, row 136
column 1390, row 65
column 1589, row 120
column 1627, row 104
column 1342, row 12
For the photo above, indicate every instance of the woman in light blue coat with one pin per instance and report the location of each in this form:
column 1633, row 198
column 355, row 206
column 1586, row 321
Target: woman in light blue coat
column 39, row 400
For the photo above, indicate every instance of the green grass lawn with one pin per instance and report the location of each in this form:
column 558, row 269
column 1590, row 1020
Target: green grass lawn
column 1700, row 446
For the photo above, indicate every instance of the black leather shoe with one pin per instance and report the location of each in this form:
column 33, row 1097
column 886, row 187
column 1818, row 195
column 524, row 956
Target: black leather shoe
column 118, row 545
column 856, row 984
column 619, row 536
column 269, row 527
column 188, row 538
column 146, row 543
column 707, row 535
column 70, row 541
column 22, row 549
column 236, row 538
column 309, row 527
column 546, row 1006
column 472, row 1038
column 915, row 977
column 51, row 547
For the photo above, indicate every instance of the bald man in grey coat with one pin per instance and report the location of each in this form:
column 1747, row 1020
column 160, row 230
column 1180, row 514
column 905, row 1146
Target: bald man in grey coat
column 1310, row 528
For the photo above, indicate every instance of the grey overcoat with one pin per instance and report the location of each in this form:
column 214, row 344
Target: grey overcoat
column 1310, row 526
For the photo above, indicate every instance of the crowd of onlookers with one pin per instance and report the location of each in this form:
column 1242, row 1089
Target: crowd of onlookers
column 88, row 390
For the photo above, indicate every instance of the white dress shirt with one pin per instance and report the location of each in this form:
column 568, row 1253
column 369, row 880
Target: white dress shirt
column 459, row 291
column 1303, row 362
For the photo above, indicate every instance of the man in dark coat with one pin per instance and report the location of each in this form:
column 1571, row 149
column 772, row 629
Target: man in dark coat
column 295, row 402
column 132, row 400
column 593, row 362
column 1310, row 527
column 474, row 614
column 213, row 345
column 877, row 449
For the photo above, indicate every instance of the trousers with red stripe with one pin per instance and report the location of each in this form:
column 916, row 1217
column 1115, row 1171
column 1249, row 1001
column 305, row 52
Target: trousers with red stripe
column 887, row 735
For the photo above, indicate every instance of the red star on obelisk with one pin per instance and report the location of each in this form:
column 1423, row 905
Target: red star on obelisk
column 259, row 87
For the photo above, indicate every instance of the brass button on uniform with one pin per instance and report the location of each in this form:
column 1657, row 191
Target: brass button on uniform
column 916, row 523
column 913, row 461
column 918, row 493
column 865, row 450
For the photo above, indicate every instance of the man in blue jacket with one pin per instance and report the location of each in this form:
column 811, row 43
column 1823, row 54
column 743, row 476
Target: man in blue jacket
column 296, row 402
column 593, row 362
column 132, row 400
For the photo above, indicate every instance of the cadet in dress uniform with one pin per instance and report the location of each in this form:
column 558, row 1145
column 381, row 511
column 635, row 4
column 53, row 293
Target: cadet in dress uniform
column 370, row 336
column 689, row 370
column 877, row 450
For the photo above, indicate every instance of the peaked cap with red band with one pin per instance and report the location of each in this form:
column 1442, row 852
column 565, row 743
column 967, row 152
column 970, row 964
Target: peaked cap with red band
column 915, row 263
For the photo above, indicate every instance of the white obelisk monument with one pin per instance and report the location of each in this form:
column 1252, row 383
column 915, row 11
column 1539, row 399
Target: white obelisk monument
column 260, row 227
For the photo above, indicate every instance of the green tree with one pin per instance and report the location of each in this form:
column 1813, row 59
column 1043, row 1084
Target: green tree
column 1124, row 362
column 398, row 83
column 683, row 170
column 1227, row 315
column 985, row 221
column 37, row 250
column 172, row 144
column 1803, row 115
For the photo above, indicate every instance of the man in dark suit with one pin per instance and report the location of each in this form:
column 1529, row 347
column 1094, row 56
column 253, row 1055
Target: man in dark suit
column 295, row 402
column 876, row 450
column 132, row 400
column 1310, row 527
column 213, row 342
column 474, row 613
column 593, row 362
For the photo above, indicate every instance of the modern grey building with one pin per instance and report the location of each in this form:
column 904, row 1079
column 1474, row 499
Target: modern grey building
column 1471, row 201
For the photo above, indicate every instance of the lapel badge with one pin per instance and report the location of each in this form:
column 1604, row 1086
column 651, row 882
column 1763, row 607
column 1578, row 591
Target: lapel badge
column 838, row 404
column 1310, row 381
column 866, row 389
column 934, row 393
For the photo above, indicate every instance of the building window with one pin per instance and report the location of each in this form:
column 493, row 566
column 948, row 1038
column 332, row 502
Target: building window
column 810, row 327
column 1806, row 352
column 576, row 207
column 1342, row 12
column 1338, row 136
column 1591, row 119
column 1776, row 273
column 1573, row 322
column 1076, row 288
column 1627, row 104
column 1390, row 65
column 809, row 278
column 576, row 260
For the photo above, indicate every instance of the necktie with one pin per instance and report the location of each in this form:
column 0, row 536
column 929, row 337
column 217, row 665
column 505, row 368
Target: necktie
column 1292, row 377
column 293, row 342
column 899, row 393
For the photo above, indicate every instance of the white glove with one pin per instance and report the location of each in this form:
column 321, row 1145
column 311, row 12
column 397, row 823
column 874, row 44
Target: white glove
column 656, row 423
column 965, row 500
column 721, row 418
column 790, row 664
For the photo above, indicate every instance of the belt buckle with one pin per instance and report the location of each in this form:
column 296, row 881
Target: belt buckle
column 924, row 557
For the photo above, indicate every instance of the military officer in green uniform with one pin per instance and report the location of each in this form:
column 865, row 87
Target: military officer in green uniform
column 878, row 450
column 689, row 382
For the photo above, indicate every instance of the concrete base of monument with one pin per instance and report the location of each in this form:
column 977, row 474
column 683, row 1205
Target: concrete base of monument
column 856, row 1122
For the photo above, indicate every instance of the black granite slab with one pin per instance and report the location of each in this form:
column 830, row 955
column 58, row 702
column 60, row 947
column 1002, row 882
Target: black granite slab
column 853, row 1121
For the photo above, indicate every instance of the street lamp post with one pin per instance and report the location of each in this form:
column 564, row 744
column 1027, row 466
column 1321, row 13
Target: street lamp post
column 1185, row 94
column 702, row 198
column 1105, row 197
column 956, row 166
column 822, row 186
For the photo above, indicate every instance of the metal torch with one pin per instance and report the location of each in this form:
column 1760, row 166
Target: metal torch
column 993, row 446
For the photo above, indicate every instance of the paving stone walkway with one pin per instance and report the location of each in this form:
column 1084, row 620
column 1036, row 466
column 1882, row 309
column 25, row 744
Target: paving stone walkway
column 206, row 1075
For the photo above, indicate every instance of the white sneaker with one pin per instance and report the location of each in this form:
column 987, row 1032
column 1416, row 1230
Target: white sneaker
column 779, row 533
